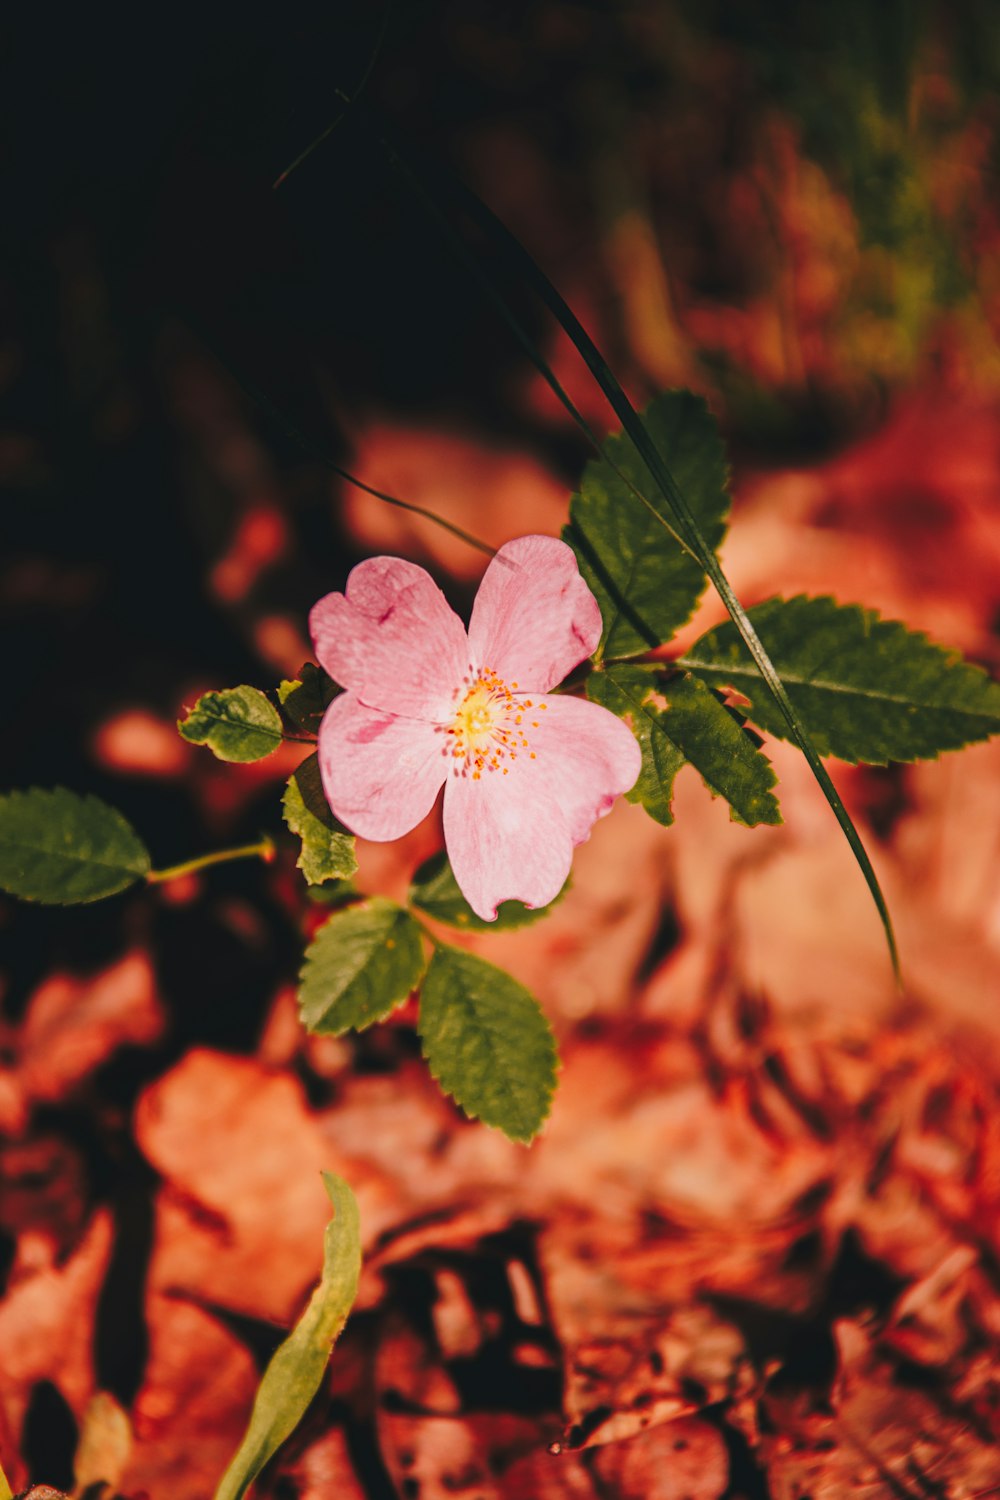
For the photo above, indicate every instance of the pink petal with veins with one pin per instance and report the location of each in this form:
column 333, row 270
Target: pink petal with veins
column 393, row 639
column 380, row 773
column 534, row 618
column 511, row 837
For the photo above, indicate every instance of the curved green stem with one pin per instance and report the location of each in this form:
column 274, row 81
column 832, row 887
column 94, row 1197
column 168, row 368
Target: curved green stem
column 686, row 530
column 684, row 526
column 263, row 850
column 431, row 937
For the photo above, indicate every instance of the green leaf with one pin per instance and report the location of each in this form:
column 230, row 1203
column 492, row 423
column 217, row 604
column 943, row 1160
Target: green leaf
column 309, row 781
column 296, row 1369
column 327, row 852
column 865, row 689
column 628, row 692
column 306, row 698
column 488, row 1043
column 363, row 962
column 690, row 721
column 238, row 724
column 63, row 849
column 646, row 584
column 725, row 756
column 435, row 891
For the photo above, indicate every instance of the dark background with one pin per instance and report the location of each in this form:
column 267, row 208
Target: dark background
column 141, row 224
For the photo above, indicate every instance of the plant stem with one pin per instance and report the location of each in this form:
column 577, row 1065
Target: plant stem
column 263, row 850
column 431, row 937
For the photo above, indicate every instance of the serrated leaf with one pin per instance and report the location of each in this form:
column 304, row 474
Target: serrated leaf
column 646, row 584
column 327, row 852
column 866, row 689
column 63, row 849
column 488, row 1043
column 296, row 1369
column 306, row 698
column 435, row 891
column 238, row 724
column 725, row 756
column 679, row 711
column 627, row 692
column 363, row 962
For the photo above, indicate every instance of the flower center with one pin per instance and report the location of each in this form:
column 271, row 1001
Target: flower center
column 489, row 727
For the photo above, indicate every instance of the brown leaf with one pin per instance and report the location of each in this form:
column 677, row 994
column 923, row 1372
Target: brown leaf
column 883, row 1439
column 323, row 1470
column 684, row 1460
column 73, row 1024
column 240, row 1221
column 193, row 1405
column 47, row 1320
column 105, row 1443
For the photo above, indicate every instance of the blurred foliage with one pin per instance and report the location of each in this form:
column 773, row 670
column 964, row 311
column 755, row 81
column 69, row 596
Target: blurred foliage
column 795, row 204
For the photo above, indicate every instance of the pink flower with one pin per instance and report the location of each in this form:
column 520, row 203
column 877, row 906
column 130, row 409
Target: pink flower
column 525, row 775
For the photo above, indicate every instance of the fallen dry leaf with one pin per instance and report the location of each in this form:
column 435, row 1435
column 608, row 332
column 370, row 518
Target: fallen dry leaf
column 47, row 1320
column 242, row 1212
column 193, row 1404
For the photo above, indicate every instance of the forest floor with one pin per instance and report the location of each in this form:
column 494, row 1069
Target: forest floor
column 756, row 1250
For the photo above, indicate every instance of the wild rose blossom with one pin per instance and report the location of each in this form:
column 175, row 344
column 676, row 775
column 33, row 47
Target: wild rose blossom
column 525, row 774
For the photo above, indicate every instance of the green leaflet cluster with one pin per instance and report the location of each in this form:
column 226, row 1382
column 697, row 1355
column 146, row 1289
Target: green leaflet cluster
column 242, row 724
column 677, row 719
column 863, row 689
column 866, row 689
column 485, row 1038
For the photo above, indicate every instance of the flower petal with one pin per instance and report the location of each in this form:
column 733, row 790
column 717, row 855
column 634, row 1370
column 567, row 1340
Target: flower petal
column 534, row 618
column 500, row 851
column 380, row 773
column 511, row 837
column 393, row 639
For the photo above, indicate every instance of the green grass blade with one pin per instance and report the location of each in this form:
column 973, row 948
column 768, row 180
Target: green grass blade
column 685, row 530
column 685, row 527
column 296, row 1370
column 313, row 449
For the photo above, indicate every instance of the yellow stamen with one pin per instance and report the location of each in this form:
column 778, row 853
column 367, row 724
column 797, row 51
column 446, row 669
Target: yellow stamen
column 487, row 724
